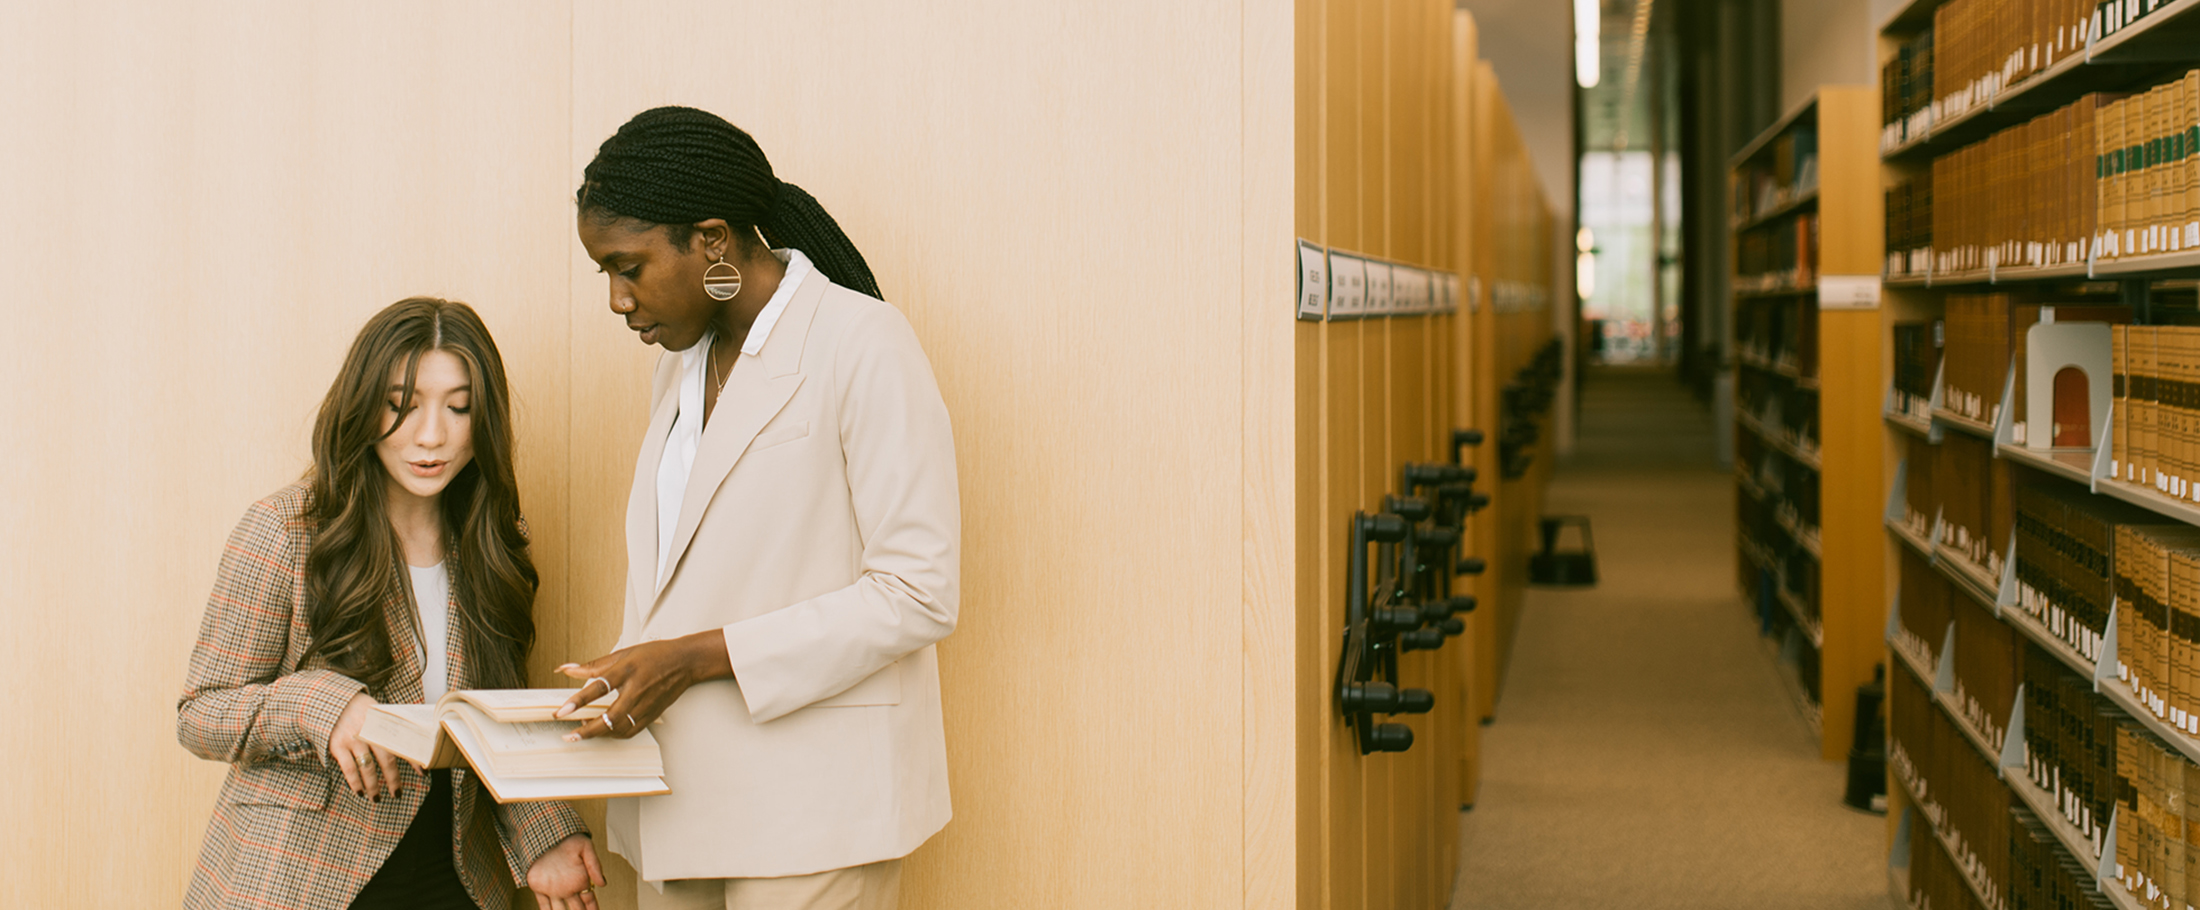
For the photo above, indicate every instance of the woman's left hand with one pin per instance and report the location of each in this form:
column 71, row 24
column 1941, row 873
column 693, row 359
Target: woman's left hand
column 649, row 677
column 566, row 876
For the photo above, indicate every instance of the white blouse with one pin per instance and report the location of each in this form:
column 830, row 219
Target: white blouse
column 432, row 591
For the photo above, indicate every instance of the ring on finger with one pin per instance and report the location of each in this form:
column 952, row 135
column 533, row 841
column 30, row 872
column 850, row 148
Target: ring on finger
column 598, row 679
column 630, row 722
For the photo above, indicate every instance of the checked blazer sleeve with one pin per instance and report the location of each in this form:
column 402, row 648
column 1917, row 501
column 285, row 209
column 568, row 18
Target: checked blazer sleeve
column 239, row 705
column 531, row 829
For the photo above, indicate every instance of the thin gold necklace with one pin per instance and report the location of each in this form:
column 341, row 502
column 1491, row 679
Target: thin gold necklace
column 710, row 362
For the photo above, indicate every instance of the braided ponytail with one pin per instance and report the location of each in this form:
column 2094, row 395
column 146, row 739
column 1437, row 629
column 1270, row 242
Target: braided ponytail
column 675, row 166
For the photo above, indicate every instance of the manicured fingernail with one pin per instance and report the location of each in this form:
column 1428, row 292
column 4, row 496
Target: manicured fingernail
column 572, row 737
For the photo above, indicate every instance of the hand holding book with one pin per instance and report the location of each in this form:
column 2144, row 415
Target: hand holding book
column 514, row 741
column 643, row 681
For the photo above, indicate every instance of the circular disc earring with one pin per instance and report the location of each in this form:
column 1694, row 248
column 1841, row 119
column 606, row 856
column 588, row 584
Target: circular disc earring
column 721, row 286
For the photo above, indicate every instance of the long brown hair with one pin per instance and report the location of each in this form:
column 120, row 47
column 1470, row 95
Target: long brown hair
column 355, row 565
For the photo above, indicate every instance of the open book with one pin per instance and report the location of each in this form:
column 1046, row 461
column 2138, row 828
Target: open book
column 509, row 738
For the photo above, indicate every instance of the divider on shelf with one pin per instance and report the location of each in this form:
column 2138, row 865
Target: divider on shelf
column 1944, row 676
column 1894, row 619
column 2104, row 453
column 2012, row 740
column 2005, row 595
column 1899, row 495
column 2005, row 418
column 2104, row 667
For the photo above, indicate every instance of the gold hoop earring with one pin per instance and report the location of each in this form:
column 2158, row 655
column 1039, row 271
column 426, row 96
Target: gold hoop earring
column 722, row 287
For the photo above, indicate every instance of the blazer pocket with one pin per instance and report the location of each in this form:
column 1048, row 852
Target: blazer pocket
column 294, row 784
column 781, row 436
column 881, row 688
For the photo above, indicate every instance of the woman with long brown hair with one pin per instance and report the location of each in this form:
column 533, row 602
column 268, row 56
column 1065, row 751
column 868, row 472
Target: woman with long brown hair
column 397, row 569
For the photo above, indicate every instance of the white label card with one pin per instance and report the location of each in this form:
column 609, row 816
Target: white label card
column 1448, row 300
column 1408, row 290
column 1347, row 286
column 1313, row 282
column 1848, row 292
column 1380, row 298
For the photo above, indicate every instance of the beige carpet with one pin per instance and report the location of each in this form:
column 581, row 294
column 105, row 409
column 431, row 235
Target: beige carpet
column 1645, row 753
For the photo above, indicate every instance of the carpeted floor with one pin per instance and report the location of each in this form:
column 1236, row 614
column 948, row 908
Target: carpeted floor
column 1645, row 753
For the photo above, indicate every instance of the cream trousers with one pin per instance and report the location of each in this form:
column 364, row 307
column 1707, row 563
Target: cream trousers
column 876, row 886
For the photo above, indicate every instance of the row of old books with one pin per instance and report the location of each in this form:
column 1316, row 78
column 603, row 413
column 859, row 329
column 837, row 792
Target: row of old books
column 1981, row 47
column 1986, row 653
column 1956, row 790
column 1906, row 90
column 1781, row 332
column 2110, row 175
column 1909, row 214
column 2155, row 403
column 1787, row 172
column 2157, row 588
column 1987, row 336
column 2026, row 196
column 1971, row 496
column 1784, row 254
column 1917, row 347
column 2068, row 542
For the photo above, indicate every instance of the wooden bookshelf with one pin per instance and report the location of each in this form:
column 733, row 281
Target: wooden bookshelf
column 1809, row 408
column 2148, row 50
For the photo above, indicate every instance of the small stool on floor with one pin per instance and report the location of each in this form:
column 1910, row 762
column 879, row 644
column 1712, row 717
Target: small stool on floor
column 1569, row 568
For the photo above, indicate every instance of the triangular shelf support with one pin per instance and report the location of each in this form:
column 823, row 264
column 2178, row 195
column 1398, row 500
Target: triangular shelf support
column 1944, row 675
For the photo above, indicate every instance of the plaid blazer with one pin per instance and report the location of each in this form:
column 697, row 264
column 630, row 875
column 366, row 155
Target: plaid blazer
column 286, row 831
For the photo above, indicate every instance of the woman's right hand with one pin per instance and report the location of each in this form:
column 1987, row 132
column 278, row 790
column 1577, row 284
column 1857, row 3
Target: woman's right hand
column 369, row 770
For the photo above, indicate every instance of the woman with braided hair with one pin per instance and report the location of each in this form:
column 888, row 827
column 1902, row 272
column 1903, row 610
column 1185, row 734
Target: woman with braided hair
column 793, row 536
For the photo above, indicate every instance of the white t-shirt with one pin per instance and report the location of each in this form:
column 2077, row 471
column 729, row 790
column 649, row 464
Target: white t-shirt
column 432, row 591
column 686, row 434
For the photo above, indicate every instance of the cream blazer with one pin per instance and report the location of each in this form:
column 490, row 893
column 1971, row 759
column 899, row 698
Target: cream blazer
column 822, row 531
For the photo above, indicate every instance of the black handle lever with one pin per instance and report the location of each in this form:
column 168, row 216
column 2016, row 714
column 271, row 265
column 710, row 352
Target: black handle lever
column 1413, row 509
column 1387, row 738
column 1446, row 608
column 1452, row 627
column 1472, row 565
column 1460, row 439
column 1415, row 701
column 1393, row 620
column 1421, row 640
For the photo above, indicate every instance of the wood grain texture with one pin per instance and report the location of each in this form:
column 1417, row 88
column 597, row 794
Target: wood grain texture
column 221, row 195
column 1852, row 353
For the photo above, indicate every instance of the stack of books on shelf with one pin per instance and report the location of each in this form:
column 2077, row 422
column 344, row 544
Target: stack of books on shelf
column 1920, row 502
column 2155, row 434
column 1790, row 173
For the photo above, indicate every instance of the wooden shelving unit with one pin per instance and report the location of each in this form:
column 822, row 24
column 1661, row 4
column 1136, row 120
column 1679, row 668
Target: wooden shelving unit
column 2147, row 51
column 1809, row 397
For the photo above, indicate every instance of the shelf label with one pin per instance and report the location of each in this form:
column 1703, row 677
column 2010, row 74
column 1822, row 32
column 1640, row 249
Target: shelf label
column 1313, row 282
column 1848, row 292
column 1347, row 286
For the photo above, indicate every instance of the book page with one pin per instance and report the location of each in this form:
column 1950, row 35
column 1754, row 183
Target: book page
column 522, row 705
column 407, row 730
column 509, row 790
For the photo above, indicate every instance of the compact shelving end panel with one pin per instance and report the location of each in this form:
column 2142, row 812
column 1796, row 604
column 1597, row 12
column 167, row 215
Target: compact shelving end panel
column 1805, row 210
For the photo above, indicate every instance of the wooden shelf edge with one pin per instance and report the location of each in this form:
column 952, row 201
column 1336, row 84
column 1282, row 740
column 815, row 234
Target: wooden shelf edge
column 1802, row 200
column 2151, row 500
column 2046, row 461
column 1962, row 423
column 1977, row 737
column 1972, row 579
column 1921, row 545
column 1757, row 143
column 1816, row 633
column 1908, row 424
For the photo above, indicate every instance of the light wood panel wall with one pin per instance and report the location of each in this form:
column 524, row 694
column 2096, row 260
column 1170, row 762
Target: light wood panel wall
column 206, row 201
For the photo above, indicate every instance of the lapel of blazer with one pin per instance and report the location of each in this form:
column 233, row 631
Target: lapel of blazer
column 454, row 638
column 755, row 392
column 641, row 506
